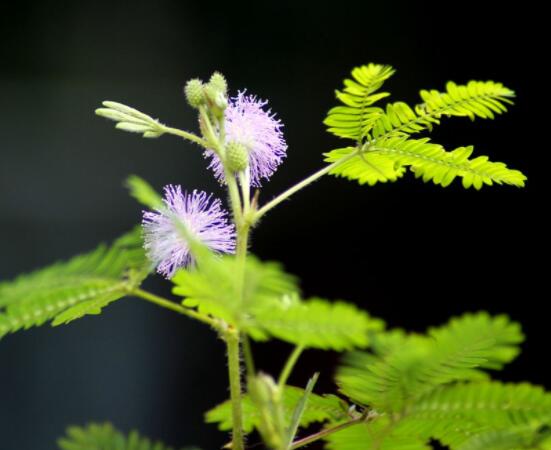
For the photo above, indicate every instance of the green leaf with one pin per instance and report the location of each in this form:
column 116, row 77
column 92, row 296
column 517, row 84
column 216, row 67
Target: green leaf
column 370, row 168
column 355, row 119
column 488, row 403
column 525, row 438
column 318, row 409
column 393, row 380
column 212, row 287
column 142, row 191
column 105, row 437
column 131, row 120
column 317, row 323
column 481, row 99
column 298, row 412
column 67, row 291
column 400, row 119
column 384, row 160
column 373, row 435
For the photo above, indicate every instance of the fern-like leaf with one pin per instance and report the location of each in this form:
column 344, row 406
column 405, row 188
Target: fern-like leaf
column 374, row 435
column 428, row 161
column 318, row 323
column 67, row 291
column 431, row 162
column 355, row 119
column 392, row 381
column 370, row 168
column 400, row 119
column 480, row 99
column 105, row 437
column 212, row 287
column 318, row 409
column 483, row 99
column 525, row 438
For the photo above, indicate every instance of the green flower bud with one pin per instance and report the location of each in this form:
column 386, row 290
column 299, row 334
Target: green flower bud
column 219, row 83
column 216, row 99
column 237, row 157
column 195, row 94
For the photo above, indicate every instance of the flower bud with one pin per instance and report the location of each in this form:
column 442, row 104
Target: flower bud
column 195, row 94
column 219, row 83
column 237, row 157
column 217, row 100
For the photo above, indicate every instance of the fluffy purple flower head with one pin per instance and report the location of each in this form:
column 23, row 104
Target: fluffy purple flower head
column 203, row 217
column 248, row 123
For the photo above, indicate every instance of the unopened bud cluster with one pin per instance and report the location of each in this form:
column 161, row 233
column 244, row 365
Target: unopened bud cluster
column 213, row 94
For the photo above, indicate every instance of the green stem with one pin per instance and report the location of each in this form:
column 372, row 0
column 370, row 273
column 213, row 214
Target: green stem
column 325, row 432
column 235, row 200
column 186, row 135
column 234, row 371
column 248, row 356
column 289, row 365
column 245, row 190
column 297, row 187
column 165, row 303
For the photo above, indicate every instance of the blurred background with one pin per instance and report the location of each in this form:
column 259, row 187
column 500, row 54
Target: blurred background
column 411, row 253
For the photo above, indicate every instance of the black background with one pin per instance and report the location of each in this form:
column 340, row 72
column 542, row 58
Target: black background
column 414, row 254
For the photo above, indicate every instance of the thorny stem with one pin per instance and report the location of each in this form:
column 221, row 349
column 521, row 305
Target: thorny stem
column 297, row 187
column 232, row 335
column 289, row 365
column 165, row 303
column 234, row 371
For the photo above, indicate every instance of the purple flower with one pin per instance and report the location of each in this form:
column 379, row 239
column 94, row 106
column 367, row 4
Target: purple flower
column 259, row 131
column 204, row 218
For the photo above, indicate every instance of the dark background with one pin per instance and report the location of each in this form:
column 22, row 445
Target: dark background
column 414, row 254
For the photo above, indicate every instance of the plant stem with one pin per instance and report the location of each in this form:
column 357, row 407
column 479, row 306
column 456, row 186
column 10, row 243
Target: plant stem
column 289, row 364
column 244, row 181
column 165, row 303
column 297, row 187
column 186, row 135
column 234, row 371
column 248, row 356
column 326, row 432
column 235, row 200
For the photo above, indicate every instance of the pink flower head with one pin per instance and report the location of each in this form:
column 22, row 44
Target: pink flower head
column 248, row 123
column 204, row 218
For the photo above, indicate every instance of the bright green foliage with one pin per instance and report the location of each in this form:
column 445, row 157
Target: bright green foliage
column 370, row 168
column 432, row 386
column 386, row 159
column 355, row 119
column 317, row 323
column 212, row 287
column 269, row 306
column 384, row 148
column 318, row 409
column 392, row 381
column 105, row 437
column 67, row 291
column 507, row 439
column 454, row 413
column 475, row 99
column 376, row 435
column 481, row 99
